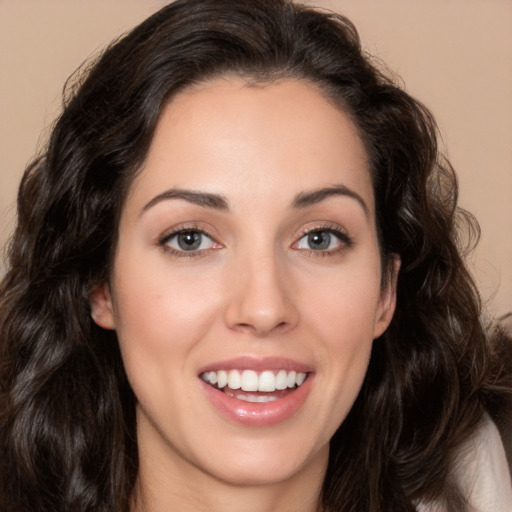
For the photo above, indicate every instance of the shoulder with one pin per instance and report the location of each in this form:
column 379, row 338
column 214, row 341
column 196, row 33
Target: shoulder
column 481, row 469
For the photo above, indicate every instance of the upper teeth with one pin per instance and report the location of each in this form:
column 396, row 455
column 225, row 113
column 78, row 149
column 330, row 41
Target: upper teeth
column 249, row 380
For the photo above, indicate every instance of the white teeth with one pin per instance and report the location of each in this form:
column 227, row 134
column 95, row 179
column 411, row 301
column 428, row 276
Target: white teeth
column 267, row 381
column 222, row 378
column 249, row 380
column 281, row 380
column 234, row 379
column 253, row 398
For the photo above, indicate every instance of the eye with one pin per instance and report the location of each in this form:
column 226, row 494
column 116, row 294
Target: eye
column 326, row 240
column 188, row 240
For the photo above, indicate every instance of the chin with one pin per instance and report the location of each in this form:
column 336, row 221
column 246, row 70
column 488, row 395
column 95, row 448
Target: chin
column 260, row 463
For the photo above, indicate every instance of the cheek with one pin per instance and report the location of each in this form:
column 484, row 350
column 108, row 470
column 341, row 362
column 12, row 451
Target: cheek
column 343, row 316
column 346, row 303
column 158, row 297
column 160, row 316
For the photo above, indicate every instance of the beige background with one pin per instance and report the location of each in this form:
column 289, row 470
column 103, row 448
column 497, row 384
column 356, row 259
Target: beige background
column 455, row 55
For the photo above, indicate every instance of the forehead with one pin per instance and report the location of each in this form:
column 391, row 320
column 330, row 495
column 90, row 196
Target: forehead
column 229, row 137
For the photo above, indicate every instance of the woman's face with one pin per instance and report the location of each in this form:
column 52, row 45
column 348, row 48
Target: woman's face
column 247, row 253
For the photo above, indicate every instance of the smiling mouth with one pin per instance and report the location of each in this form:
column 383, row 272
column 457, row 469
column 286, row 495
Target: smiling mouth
column 252, row 386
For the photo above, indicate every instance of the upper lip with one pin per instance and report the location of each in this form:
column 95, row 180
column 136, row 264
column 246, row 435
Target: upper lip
column 257, row 364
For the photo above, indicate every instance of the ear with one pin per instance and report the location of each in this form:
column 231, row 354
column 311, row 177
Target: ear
column 102, row 311
column 387, row 301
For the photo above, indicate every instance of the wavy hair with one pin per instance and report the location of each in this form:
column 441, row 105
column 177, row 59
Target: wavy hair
column 67, row 427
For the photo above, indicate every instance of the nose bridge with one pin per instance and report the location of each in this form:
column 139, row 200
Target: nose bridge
column 261, row 301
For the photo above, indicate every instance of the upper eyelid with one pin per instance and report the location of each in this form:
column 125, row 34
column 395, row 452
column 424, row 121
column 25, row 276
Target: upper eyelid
column 167, row 235
column 331, row 227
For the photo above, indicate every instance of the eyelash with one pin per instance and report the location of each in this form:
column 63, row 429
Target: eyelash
column 345, row 241
column 164, row 241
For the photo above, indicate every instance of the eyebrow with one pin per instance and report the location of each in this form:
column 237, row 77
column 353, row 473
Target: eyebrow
column 305, row 199
column 219, row 202
column 204, row 199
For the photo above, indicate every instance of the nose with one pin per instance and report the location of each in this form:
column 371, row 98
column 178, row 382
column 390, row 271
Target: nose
column 262, row 302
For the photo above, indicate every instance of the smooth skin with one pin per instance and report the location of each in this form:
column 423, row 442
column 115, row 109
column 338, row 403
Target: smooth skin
column 227, row 248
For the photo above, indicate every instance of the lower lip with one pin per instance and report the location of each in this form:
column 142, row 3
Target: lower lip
column 258, row 414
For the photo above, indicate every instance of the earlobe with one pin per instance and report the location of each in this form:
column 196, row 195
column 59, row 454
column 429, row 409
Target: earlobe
column 101, row 307
column 387, row 301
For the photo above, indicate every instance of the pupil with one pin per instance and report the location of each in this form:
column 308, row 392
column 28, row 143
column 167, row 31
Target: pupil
column 189, row 241
column 319, row 241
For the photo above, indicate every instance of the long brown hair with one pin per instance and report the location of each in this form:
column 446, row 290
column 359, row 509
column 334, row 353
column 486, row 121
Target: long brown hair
column 67, row 428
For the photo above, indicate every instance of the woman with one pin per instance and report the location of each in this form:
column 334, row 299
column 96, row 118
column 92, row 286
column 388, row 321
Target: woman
column 235, row 283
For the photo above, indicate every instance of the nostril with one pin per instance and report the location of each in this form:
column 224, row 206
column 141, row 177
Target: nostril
column 260, row 307
column 260, row 328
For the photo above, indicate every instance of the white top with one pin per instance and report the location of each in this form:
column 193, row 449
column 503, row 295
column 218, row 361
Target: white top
column 482, row 472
